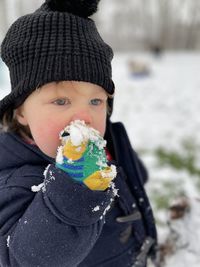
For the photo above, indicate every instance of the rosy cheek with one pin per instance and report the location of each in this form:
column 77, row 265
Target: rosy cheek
column 101, row 126
column 52, row 135
column 47, row 139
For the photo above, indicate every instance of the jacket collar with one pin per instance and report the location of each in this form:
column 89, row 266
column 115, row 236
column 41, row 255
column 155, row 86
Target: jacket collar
column 14, row 152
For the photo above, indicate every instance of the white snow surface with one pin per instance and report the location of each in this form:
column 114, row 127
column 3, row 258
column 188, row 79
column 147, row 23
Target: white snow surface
column 186, row 238
column 161, row 109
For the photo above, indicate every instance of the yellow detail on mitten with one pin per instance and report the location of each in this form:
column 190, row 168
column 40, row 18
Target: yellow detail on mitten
column 97, row 182
column 74, row 152
column 82, row 156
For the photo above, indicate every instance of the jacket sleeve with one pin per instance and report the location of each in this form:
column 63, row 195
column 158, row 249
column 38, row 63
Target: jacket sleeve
column 57, row 226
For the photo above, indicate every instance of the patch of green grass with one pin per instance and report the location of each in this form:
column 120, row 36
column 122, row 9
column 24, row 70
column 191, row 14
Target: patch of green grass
column 167, row 192
column 184, row 160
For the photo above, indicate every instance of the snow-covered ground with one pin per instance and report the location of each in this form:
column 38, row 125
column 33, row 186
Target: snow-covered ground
column 161, row 111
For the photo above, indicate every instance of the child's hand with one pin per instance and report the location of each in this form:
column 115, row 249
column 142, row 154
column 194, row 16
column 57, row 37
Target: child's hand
column 83, row 157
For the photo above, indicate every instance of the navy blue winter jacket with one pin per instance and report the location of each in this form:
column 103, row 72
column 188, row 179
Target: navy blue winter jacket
column 64, row 225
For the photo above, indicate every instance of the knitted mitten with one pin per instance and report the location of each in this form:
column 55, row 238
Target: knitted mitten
column 82, row 156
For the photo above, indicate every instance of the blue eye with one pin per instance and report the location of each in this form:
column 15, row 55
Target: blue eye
column 61, row 101
column 96, row 101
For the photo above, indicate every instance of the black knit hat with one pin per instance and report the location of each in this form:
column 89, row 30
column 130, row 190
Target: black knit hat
column 55, row 43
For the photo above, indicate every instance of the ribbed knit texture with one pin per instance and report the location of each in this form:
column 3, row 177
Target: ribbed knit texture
column 48, row 46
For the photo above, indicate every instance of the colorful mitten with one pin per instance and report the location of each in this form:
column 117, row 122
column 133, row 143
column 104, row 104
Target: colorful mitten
column 82, row 156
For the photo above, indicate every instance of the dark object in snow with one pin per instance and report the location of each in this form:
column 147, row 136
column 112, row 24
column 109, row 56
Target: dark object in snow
column 82, row 8
column 177, row 238
column 156, row 50
column 166, row 249
column 138, row 69
column 179, row 208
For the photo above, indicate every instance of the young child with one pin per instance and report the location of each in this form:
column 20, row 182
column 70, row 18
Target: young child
column 57, row 208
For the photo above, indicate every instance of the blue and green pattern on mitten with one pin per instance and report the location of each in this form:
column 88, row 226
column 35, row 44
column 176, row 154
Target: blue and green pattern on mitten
column 83, row 156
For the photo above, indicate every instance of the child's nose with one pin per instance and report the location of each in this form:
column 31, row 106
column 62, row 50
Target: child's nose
column 83, row 115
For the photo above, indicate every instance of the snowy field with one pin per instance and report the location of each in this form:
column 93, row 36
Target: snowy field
column 161, row 111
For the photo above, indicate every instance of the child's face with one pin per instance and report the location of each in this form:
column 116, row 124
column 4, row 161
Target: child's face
column 48, row 110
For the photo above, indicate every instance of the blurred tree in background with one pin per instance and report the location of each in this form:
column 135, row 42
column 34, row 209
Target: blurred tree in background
column 150, row 24
column 132, row 24
column 10, row 10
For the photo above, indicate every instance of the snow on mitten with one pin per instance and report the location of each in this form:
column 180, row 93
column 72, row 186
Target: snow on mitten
column 82, row 156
